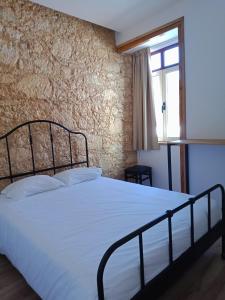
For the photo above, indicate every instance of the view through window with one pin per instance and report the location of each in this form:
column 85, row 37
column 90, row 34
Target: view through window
column 165, row 80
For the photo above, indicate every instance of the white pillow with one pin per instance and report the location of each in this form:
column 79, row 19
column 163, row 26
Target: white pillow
column 31, row 185
column 78, row 175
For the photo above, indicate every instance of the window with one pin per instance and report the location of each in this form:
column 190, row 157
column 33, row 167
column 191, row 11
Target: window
column 165, row 79
column 156, row 61
column 171, row 56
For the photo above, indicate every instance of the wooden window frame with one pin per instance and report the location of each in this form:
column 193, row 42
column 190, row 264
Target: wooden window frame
column 178, row 23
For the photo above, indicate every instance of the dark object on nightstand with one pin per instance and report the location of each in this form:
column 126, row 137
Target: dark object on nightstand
column 137, row 172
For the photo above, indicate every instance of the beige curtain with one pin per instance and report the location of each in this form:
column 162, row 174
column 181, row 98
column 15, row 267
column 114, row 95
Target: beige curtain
column 144, row 121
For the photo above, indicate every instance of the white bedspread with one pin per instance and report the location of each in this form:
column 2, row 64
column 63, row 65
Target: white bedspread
column 56, row 239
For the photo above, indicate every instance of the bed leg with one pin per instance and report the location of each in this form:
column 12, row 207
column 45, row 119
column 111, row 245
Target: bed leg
column 223, row 221
column 223, row 246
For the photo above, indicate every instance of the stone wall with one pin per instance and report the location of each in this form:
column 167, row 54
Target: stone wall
column 57, row 67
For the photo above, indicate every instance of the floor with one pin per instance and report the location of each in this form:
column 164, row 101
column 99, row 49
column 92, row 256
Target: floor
column 205, row 280
column 12, row 284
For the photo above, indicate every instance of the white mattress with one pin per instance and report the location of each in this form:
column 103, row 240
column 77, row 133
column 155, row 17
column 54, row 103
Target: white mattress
column 56, row 239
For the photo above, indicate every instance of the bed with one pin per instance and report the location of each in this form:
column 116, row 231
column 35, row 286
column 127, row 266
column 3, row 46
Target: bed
column 104, row 238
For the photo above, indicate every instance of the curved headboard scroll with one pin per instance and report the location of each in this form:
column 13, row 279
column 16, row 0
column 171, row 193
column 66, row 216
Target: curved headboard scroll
column 54, row 167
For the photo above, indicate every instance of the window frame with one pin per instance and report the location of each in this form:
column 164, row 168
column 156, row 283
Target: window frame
column 178, row 23
column 162, row 73
column 161, row 52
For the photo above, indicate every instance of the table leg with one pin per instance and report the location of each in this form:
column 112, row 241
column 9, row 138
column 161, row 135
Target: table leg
column 187, row 168
column 150, row 178
column 136, row 178
column 169, row 167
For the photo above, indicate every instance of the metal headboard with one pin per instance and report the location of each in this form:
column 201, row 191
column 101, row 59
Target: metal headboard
column 54, row 167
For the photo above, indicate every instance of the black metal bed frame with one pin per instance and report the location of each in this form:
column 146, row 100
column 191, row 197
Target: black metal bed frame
column 54, row 167
column 165, row 278
column 155, row 287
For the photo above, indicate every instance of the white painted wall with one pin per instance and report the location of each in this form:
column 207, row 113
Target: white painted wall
column 157, row 159
column 207, row 167
column 205, row 86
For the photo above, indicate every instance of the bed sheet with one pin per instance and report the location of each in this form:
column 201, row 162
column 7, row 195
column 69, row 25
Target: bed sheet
column 56, row 239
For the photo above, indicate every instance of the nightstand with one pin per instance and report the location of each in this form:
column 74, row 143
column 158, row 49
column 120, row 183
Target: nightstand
column 139, row 173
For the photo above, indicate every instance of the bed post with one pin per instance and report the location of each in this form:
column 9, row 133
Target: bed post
column 223, row 221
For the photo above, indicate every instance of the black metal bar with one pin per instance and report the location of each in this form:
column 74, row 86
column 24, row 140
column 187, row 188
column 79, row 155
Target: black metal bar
column 169, row 276
column 169, row 167
column 139, row 230
column 170, row 214
column 86, row 147
column 142, row 271
column 52, row 147
column 187, row 168
column 192, row 221
column 150, row 177
column 9, row 159
column 71, row 155
column 11, row 176
column 31, row 148
column 42, row 121
column 223, row 223
column 115, row 246
column 100, row 284
column 160, row 219
column 209, row 211
column 42, row 170
column 136, row 178
column 206, row 241
column 206, row 192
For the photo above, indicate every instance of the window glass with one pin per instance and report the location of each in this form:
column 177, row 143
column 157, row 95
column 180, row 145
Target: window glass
column 157, row 96
column 165, row 84
column 156, row 61
column 172, row 103
column 171, row 56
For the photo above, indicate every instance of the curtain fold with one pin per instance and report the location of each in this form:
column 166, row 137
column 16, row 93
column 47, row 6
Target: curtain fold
column 144, row 121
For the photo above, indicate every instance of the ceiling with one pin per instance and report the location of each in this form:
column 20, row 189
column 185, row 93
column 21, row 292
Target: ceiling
column 117, row 15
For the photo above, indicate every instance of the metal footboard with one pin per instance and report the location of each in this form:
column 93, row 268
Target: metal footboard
column 178, row 265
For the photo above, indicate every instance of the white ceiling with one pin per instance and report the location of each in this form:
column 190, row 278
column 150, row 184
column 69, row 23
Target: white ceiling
column 114, row 14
